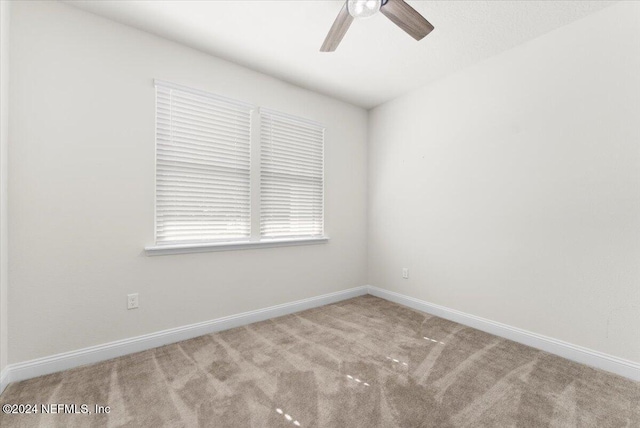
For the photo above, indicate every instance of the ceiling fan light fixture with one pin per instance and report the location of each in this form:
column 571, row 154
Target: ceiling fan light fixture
column 363, row 8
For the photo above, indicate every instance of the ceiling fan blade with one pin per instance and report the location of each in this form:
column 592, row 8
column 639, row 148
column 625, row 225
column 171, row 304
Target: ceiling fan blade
column 337, row 31
column 407, row 18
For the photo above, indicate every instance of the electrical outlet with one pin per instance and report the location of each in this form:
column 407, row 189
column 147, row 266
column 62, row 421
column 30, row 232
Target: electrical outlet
column 132, row 301
column 405, row 273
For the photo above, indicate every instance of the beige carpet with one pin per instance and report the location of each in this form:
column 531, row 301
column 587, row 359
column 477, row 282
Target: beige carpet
column 364, row 362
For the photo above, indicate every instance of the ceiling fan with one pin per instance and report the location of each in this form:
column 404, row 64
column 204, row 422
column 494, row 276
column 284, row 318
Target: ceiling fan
column 398, row 11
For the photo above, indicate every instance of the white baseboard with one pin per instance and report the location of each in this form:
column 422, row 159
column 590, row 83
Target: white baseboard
column 619, row 366
column 4, row 379
column 94, row 354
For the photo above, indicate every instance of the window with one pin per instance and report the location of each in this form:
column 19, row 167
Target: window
column 205, row 174
column 202, row 167
column 291, row 176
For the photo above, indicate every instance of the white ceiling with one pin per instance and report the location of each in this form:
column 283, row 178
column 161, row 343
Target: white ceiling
column 375, row 62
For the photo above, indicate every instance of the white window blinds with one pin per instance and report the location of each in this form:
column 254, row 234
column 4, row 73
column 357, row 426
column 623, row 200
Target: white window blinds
column 291, row 176
column 203, row 169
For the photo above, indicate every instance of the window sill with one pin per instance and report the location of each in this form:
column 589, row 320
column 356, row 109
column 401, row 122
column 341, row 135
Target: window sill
column 161, row 250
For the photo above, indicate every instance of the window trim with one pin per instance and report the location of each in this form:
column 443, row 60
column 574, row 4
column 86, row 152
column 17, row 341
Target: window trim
column 254, row 241
column 167, row 249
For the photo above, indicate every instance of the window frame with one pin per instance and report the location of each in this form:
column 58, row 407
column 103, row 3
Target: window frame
column 255, row 240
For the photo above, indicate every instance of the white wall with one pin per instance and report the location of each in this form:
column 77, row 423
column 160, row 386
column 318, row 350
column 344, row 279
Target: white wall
column 4, row 143
column 82, row 186
column 511, row 190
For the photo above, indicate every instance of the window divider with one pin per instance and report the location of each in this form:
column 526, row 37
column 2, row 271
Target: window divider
column 255, row 175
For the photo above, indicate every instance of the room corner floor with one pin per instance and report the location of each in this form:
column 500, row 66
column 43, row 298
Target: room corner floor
column 364, row 362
